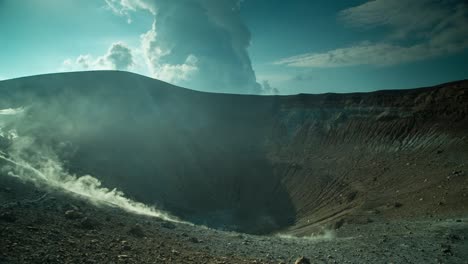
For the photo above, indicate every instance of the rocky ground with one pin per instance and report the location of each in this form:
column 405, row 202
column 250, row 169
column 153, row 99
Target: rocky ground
column 38, row 226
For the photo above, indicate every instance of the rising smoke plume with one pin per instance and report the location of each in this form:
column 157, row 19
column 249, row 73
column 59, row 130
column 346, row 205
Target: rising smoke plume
column 23, row 157
column 200, row 44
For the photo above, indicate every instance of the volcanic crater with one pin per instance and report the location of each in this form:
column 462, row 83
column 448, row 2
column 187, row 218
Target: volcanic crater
column 256, row 164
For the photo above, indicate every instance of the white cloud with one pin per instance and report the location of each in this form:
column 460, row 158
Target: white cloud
column 150, row 47
column 204, row 42
column 432, row 29
column 175, row 73
column 267, row 89
column 125, row 7
column 118, row 57
column 153, row 55
column 402, row 16
column 379, row 54
column 147, row 59
column 11, row 111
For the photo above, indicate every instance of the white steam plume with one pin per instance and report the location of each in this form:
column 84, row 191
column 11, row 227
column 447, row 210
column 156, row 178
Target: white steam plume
column 28, row 162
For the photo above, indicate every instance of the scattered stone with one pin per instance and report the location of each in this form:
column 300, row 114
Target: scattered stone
column 339, row 223
column 125, row 245
column 302, row 260
column 73, row 214
column 454, row 237
column 351, row 196
column 32, row 228
column 194, row 240
column 447, row 250
column 168, row 225
column 8, row 217
column 7, row 190
column 137, row 231
column 88, row 223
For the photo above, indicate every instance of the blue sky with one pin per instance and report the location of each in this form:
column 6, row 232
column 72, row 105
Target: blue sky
column 249, row 46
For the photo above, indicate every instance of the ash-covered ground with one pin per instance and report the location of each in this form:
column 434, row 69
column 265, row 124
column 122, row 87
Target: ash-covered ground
column 38, row 226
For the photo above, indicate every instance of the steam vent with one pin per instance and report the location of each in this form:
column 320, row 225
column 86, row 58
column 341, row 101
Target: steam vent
column 256, row 164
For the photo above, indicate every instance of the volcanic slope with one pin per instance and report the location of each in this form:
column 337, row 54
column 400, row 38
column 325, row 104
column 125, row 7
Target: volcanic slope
column 256, row 164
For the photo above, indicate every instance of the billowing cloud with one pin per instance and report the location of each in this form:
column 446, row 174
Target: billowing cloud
column 178, row 72
column 118, row 57
column 154, row 57
column 417, row 30
column 201, row 44
column 267, row 89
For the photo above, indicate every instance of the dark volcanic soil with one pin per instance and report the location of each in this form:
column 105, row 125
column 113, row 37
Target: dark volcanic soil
column 385, row 172
column 35, row 228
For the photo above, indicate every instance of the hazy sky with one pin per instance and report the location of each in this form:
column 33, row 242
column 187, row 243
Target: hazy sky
column 249, row 46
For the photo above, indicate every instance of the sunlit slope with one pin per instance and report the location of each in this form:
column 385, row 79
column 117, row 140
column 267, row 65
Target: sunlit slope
column 254, row 163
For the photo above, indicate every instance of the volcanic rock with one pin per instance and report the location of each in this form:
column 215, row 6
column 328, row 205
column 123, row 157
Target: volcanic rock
column 73, row 214
column 137, row 231
column 302, row 260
